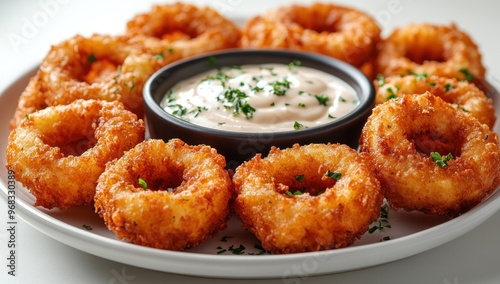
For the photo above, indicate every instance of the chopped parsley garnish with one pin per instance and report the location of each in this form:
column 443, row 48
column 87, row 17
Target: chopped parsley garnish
column 342, row 100
column 219, row 76
column 260, row 248
column 87, row 227
column 91, row 58
column 297, row 192
column 391, row 95
column 142, row 183
column 418, row 77
column 462, row 108
column 297, row 125
column 270, row 69
column 159, row 56
column 236, row 100
column 294, row 63
column 237, row 250
column 382, row 223
column 178, row 110
column 257, row 88
column 280, row 87
column 131, row 85
column 333, row 175
column 468, row 76
column 299, row 178
column 441, row 161
column 380, row 80
column 448, row 87
column 322, row 99
column 195, row 112
column 432, row 84
column 212, row 61
column 224, row 238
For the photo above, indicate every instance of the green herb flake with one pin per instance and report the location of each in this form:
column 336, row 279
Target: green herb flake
column 468, row 76
column 382, row 223
column 297, row 125
column 221, row 250
column 322, row 99
column 212, row 61
column 142, row 183
column 418, row 77
column 441, row 161
column 333, row 175
column 380, row 80
column 237, row 250
column 92, row 58
column 260, row 248
column 448, row 87
column 299, row 178
column 462, row 108
column 391, row 94
column 294, row 63
column 270, row 69
column 297, row 192
column 280, row 87
column 159, row 56
column 225, row 238
column 87, row 227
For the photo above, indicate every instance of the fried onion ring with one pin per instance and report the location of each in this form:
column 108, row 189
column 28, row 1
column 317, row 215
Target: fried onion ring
column 31, row 100
column 307, row 198
column 433, row 50
column 340, row 32
column 96, row 67
column 402, row 137
column 59, row 152
column 186, row 200
column 183, row 28
column 463, row 95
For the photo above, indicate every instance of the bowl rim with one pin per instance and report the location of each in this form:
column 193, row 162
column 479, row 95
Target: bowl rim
column 366, row 93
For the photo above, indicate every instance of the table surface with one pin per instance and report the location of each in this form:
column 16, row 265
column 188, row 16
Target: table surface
column 471, row 258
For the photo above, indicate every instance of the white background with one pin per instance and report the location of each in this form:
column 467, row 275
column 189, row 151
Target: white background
column 28, row 28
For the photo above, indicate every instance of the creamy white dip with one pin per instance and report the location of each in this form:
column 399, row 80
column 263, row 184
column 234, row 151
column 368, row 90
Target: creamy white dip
column 261, row 98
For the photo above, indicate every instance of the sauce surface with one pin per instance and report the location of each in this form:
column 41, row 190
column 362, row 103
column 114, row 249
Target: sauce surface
column 258, row 98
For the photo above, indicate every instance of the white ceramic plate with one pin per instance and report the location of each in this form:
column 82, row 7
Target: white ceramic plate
column 410, row 233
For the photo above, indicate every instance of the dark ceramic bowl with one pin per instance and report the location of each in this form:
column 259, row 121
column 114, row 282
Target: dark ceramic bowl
column 236, row 146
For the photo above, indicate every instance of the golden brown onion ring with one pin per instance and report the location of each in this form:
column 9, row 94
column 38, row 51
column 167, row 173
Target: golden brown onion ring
column 183, row 28
column 340, row 32
column 400, row 137
column 185, row 199
column 462, row 94
column 32, row 99
column 96, row 67
column 59, row 152
column 432, row 50
column 307, row 198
